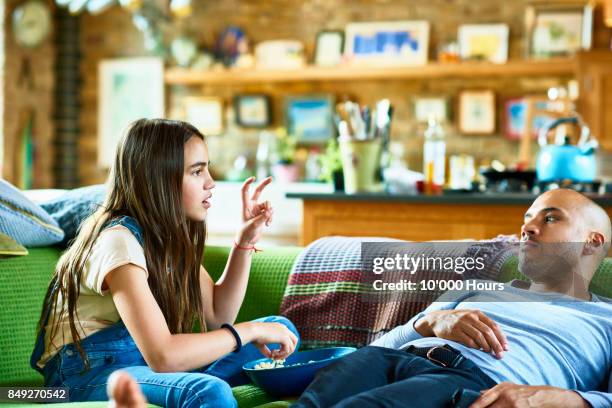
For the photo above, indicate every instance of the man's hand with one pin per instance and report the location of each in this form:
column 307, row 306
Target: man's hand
column 508, row 395
column 469, row 327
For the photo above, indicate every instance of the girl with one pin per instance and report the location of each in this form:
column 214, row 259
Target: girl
column 130, row 288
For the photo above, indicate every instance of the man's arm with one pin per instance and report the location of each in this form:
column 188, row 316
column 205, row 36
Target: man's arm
column 401, row 335
column 508, row 395
column 471, row 328
column 597, row 399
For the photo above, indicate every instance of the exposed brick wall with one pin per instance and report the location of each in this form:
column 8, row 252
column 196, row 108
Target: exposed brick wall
column 23, row 93
column 66, row 111
column 112, row 34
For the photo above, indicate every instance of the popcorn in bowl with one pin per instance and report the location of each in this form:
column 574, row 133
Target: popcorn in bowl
column 290, row 377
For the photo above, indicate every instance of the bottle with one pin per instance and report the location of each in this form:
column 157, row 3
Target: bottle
column 262, row 157
column 434, row 151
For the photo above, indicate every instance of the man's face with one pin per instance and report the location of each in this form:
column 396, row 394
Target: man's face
column 551, row 236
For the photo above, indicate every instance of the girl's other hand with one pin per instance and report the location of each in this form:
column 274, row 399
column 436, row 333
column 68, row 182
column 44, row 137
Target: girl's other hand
column 268, row 333
column 254, row 214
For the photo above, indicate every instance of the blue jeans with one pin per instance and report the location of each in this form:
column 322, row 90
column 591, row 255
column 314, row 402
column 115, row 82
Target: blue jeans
column 113, row 348
column 382, row 377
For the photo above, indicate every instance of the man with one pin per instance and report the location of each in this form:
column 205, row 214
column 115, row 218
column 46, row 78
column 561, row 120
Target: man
column 552, row 347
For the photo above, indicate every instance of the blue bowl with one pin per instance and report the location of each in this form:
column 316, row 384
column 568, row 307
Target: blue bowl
column 293, row 380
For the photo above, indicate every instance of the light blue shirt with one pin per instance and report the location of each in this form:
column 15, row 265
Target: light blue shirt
column 552, row 339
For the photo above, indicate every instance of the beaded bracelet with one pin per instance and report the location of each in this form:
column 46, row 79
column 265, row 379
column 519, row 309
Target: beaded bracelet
column 235, row 334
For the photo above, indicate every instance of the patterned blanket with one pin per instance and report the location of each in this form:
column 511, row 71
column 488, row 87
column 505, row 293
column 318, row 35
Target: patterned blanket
column 331, row 301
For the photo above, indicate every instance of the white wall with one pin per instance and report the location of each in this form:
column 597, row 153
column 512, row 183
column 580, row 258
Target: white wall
column 224, row 216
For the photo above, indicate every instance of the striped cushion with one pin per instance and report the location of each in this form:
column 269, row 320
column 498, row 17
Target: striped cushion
column 331, row 300
column 24, row 221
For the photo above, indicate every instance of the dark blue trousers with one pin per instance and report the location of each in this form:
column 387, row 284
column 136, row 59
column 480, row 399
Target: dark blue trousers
column 382, row 377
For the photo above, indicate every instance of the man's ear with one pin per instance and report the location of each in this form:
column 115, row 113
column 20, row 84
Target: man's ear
column 594, row 243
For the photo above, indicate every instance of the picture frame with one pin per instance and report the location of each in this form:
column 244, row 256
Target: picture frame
column 559, row 29
column 128, row 89
column 391, row 43
column 424, row 106
column 477, row 112
column 514, row 118
column 484, row 42
column 206, row 113
column 253, row 110
column 309, row 118
column 329, row 48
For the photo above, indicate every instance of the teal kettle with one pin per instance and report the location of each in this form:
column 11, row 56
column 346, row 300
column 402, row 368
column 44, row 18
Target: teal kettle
column 562, row 160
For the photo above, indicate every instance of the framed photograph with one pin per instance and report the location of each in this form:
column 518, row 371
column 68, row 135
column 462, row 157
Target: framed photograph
column 309, row 118
column 128, row 89
column 253, row 110
column 558, row 29
column 515, row 116
column 387, row 43
column 484, row 42
column 477, row 112
column 205, row 113
column 329, row 48
column 431, row 106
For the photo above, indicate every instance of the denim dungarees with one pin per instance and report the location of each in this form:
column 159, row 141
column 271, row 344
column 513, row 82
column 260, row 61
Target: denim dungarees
column 113, row 348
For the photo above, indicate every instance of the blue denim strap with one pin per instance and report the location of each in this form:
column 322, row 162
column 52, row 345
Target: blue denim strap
column 128, row 222
column 39, row 347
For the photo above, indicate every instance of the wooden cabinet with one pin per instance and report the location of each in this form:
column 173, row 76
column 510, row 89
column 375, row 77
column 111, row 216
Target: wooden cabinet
column 416, row 218
column 594, row 74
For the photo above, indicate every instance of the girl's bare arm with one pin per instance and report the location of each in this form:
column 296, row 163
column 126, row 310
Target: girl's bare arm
column 225, row 297
column 166, row 352
column 163, row 351
column 222, row 300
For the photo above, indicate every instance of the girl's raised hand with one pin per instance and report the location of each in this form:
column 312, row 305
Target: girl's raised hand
column 254, row 214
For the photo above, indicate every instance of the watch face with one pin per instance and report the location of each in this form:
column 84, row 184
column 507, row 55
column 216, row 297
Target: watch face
column 31, row 23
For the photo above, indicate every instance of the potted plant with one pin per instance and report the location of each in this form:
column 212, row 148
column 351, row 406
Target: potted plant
column 285, row 170
column 331, row 165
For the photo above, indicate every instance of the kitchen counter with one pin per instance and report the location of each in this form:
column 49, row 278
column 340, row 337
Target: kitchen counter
column 605, row 200
column 449, row 216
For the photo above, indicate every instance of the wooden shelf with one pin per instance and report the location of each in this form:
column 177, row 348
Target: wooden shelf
column 552, row 67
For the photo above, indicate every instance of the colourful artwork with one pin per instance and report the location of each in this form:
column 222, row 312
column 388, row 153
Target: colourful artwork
column 387, row 43
column 515, row 119
column 488, row 42
column 309, row 118
column 130, row 89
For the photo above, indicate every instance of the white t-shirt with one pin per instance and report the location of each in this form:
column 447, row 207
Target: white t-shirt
column 114, row 247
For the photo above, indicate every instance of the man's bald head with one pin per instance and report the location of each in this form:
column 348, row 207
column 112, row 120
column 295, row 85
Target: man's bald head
column 590, row 215
column 565, row 235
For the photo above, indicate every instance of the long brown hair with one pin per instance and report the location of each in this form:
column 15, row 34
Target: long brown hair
column 145, row 183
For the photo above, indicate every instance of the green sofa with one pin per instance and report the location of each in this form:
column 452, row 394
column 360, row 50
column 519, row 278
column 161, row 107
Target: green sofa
column 23, row 281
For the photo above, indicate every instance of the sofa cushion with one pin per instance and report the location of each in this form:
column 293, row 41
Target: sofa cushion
column 10, row 247
column 72, row 207
column 267, row 281
column 23, row 283
column 331, row 299
column 24, row 221
column 601, row 284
